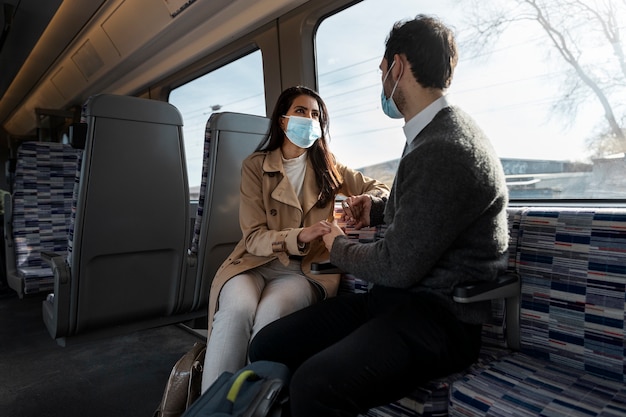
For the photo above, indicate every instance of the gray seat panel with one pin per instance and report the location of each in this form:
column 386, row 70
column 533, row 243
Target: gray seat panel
column 130, row 233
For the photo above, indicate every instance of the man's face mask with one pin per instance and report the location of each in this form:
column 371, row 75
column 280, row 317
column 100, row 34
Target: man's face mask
column 388, row 105
column 303, row 131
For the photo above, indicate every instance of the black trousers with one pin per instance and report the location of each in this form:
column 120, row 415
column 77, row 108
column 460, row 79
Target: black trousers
column 350, row 353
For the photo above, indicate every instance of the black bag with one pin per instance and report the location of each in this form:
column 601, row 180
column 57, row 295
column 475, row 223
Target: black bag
column 258, row 390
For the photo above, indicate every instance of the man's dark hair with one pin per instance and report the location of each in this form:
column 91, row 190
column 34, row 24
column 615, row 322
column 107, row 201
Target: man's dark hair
column 428, row 45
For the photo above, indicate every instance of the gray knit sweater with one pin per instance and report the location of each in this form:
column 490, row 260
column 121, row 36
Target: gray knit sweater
column 446, row 217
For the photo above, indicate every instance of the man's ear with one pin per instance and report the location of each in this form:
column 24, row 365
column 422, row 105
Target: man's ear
column 398, row 69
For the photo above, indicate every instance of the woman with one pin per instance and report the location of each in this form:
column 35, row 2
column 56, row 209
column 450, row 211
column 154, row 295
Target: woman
column 288, row 189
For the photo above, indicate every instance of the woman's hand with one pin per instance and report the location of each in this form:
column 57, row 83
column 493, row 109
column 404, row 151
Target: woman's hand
column 313, row 232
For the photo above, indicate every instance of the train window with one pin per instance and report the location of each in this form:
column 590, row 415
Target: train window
column 235, row 87
column 556, row 123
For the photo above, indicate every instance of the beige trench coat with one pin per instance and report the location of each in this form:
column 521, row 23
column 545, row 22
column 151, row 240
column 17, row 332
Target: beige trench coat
column 271, row 217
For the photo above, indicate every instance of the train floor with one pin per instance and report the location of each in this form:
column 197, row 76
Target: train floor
column 118, row 376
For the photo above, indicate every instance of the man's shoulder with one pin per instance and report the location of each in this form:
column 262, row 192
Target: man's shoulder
column 455, row 115
column 452, row 124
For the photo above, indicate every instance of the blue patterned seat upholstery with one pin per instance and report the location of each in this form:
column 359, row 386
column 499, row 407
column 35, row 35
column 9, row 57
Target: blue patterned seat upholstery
column 40, row 212
column 521, row 385
column 572, row 264
column 195, row 239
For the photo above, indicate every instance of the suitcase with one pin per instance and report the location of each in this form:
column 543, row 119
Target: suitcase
column 257, row 390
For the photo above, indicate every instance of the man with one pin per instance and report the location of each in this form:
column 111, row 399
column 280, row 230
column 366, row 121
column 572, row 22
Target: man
column 446, row 225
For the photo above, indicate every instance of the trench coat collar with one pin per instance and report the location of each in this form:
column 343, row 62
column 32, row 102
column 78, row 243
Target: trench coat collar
column 284, row 192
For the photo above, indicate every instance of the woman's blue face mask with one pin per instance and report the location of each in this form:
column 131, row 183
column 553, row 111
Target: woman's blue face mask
column 303, row 131
column 388, row 105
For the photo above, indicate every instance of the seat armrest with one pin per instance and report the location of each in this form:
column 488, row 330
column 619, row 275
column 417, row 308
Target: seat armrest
column 318, row 268
column 56, row 309
column 506, row 286
column 56, row 261
column 47, row 256
column 192, row 259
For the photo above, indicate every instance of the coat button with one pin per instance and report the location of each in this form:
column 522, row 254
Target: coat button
column 273, row 212
column 237, row 262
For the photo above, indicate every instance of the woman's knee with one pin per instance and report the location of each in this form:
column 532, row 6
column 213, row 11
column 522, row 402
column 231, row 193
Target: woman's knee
column 284, row 297
column 296, row 288
column 237, row 311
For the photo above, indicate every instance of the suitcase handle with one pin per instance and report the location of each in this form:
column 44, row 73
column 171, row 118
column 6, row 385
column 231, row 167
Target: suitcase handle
column 236, row 387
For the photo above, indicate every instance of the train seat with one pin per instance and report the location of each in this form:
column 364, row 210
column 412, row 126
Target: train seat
column 572, row 264
column 229, row 138
column 557, row 348
column 37, row 213
column 125, row 264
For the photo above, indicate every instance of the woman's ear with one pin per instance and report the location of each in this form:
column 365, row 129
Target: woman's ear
column 283, row 122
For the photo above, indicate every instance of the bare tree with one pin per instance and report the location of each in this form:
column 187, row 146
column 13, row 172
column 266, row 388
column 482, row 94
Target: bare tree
column 572, row 28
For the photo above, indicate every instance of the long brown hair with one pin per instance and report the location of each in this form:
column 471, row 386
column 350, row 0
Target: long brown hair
column 327, row 177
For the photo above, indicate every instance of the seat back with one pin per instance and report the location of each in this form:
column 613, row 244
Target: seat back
column 37, row 215
column 573, row 267
column 130, row 231
column 229, row 139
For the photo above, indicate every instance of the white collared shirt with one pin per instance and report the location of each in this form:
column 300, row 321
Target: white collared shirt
column 418, row 122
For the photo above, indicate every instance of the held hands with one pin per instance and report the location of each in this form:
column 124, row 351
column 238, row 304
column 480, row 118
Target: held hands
column 326, row 230
column 357, row 210
column 356, row 213
column 313, row 232
column 334, row 231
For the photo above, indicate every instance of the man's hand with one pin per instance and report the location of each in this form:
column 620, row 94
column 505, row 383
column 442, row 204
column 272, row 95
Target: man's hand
column 329, row 237
column 357, row 210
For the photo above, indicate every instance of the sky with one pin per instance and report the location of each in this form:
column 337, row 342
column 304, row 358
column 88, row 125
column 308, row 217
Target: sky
column 510, row 92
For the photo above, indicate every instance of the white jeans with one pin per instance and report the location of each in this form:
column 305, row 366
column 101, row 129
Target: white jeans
column 247, row 303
